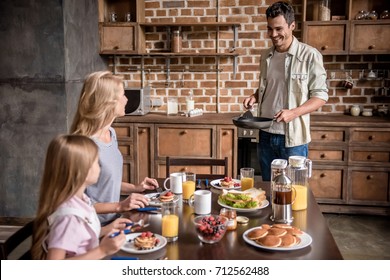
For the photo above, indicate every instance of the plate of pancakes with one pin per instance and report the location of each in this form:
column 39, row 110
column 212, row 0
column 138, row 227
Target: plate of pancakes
column 156, row 199
column 277, row 237
column 142, row 243
column 226, row 183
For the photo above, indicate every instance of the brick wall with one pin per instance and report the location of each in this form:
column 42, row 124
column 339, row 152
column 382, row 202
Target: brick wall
column 211, row 79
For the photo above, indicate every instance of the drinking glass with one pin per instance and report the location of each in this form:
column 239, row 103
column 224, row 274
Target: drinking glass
column 247, row 178
column 189, row 180
column 170, row 221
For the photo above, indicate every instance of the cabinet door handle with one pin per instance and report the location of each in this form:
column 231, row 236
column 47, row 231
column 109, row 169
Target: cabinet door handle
column 371, row 47
column 115, row 48
column 184, row 169
column 322, row 156
column 323, row 175
column 371, row 137
column 184, row 132
column 370, row 157
column 324, row 47
column 226, row 133
column 142, row 131
column 370, row 177
column 324, row 136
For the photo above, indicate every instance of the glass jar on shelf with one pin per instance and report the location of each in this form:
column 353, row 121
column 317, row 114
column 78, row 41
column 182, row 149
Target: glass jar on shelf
column 372, row 15
column 361, row 15
column 324, row 10
column 385, row 14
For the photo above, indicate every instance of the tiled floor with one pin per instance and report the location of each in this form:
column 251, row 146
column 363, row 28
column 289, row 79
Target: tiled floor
column 361, row 237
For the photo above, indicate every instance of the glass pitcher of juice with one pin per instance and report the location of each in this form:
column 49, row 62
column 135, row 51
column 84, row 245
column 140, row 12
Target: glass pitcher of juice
column 299, row 170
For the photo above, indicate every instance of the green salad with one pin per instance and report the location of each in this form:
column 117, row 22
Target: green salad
column 238, row 200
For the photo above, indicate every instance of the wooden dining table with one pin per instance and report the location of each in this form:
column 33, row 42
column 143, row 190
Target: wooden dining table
column 233, row 246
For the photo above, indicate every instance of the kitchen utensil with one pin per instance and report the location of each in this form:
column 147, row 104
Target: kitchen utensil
column 140, row 223
column 252, row 123
column 247, row 114
column 147, row 209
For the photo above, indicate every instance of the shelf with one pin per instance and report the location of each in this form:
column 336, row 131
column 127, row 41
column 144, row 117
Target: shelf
column 163, row 54
column 206, row 24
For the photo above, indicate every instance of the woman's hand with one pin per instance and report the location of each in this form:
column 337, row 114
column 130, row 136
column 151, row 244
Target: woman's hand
column 133, row 201
column 148, row 184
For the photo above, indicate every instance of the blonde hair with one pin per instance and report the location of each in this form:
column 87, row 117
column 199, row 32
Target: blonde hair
column 68, row 161
column 98, row 99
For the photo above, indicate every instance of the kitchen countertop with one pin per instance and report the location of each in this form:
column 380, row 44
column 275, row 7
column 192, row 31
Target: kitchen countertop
column 226, row 119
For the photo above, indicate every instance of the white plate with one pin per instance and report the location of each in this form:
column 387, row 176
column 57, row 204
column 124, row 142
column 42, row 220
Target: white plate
column 157, row 201
column 305, row 241
column 217, row 185
column 130, row 247
column 264, row 204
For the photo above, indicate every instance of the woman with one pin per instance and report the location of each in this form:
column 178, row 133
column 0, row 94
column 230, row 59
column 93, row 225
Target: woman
column 102, row 100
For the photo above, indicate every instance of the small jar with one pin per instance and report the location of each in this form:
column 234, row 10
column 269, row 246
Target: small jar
column 385, row 15
column 367, row 112
column 176, row 41
column 361, row 15
column 373, row 15
column 232, row 216
column 355, row 110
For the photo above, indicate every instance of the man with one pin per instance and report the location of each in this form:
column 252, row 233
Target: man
column 292, row 85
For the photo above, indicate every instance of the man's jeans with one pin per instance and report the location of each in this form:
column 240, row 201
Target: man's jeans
column 272, row 146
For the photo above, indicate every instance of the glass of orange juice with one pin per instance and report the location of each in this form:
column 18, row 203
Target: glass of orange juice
column 247, row 178
column 170, row 221
column 189, row 180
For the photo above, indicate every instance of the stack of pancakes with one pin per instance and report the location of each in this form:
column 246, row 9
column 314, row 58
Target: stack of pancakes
column 277, row 235
column 166, row 197
column 145, row 241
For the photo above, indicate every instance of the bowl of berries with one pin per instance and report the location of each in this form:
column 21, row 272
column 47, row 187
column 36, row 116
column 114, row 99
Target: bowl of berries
column 210, row 228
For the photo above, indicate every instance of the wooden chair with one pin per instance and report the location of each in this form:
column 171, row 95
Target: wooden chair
column 211, row 162
column 16, row 239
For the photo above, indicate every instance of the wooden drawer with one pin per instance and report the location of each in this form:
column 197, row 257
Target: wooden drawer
column 324, row 135
column 196, row 141
column 327, row 184
column 369, row 187
column 326, row 155
column 371, row 136
column 370, row 156
column 123, row 131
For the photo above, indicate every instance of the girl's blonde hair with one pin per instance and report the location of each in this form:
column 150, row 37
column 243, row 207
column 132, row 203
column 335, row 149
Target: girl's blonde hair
column 68, row 161
column 96, row 108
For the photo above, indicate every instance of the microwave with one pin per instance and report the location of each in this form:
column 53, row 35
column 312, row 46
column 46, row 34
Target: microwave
column 138, row 101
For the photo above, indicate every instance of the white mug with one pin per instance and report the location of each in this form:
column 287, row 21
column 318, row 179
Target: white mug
column 176, row 184
column 201, row 200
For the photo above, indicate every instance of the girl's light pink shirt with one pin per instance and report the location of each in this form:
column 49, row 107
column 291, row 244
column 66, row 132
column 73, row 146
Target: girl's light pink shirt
column 73, row 234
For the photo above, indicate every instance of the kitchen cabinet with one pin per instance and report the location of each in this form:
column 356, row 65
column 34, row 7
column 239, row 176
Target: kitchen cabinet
column 343, row 34
column 121, row 36
column 351, row 165
column 146, row 141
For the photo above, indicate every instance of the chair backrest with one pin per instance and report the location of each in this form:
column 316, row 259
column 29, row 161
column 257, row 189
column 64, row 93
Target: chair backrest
column 210, row 162
column 17, row 239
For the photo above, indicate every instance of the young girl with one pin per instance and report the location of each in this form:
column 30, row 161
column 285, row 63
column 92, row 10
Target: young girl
column 102, row 100
column 67, row 226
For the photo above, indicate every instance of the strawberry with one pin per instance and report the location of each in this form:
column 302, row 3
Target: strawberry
column 169, row 194
column 149, row 234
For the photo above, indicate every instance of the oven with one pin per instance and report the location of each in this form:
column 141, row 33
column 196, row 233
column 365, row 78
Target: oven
column 247, row 150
